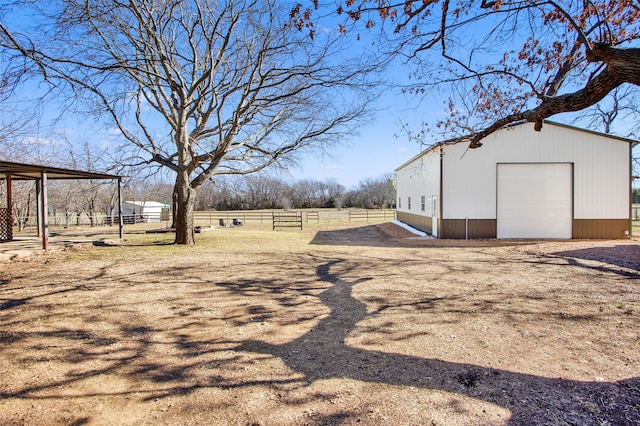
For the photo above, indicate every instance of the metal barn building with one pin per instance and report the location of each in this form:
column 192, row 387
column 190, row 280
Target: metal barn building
column 562, row 182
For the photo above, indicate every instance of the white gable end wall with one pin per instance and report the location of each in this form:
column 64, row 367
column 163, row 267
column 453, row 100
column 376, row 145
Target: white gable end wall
column 468, row 182
column 601, row 186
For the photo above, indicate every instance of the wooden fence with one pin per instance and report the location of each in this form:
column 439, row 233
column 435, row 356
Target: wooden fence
column 287, row 220
column 212, row 218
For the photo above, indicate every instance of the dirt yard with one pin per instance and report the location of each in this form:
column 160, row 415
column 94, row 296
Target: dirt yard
column 359, row 324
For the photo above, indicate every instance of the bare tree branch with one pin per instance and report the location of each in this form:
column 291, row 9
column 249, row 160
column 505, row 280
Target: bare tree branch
column 512, row 60
column 201, row 87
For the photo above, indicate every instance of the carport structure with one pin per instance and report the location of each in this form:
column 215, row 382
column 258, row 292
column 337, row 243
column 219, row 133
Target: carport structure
column 10, row 171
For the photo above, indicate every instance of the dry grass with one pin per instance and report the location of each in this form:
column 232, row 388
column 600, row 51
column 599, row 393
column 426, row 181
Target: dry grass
column 329, row 325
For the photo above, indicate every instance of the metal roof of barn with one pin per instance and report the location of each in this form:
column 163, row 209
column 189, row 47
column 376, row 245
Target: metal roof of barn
column 467, row 138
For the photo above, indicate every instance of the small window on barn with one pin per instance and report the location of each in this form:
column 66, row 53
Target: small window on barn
column 408, row 203
column 422, row 203
column 399, row 202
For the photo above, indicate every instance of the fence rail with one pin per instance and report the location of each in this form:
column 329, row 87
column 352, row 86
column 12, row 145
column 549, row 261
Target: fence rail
column 287, row 220
column 61, row 220
column 211, row 218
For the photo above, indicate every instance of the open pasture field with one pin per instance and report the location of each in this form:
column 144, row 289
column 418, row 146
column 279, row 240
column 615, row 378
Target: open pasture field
column 335, row 324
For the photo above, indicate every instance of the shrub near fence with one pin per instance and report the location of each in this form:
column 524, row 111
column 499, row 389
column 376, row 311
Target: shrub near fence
column 212, row 218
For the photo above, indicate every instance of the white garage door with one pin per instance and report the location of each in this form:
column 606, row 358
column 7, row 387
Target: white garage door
column 534, row 201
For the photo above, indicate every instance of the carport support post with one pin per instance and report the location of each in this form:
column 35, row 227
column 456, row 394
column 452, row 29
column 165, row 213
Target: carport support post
column 45, row 219
column 39, row 207
column 120, row 221
column 9, row 207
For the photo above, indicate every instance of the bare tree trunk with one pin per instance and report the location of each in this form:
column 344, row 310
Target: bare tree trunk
column 223, row 78
column 174, row 206
column 185, row 201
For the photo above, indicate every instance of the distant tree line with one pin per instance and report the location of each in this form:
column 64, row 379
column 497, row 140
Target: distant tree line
column 259, row 192
column 265, row 192
column 93, row 198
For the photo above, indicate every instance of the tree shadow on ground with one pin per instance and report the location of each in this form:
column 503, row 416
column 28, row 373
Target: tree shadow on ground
column 378, row 236
column 172, row 356
column 323, row 354
column 618, row 256
column 116, row 243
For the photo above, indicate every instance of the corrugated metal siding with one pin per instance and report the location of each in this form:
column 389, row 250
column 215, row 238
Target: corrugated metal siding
column 601, row 172
column 422, row 223
column 601, row 228
column 468, row 182
column 419, row 178
column 471, row 229
column 601, row 189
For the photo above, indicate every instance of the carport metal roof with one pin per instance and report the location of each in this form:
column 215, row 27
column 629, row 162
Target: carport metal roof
column 19, row 171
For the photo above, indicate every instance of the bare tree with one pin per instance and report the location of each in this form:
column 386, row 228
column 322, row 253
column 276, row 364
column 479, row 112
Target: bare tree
column 509, row 60
column 619, row 114
column 378, row 193
column 262, row 192
column 202, row 87
column 23, row 202
column 13, row 130
column 305, row 193
column 13, row 124
column 334, row 194
column 208, row 197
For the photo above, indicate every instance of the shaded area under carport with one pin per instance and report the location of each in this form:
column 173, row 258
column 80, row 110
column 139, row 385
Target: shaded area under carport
column 10, row 171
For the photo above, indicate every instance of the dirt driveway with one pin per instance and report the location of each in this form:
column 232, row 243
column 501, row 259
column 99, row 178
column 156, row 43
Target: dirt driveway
column 329, row 325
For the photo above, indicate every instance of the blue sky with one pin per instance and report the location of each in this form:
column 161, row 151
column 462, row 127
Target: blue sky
column 380, row 147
